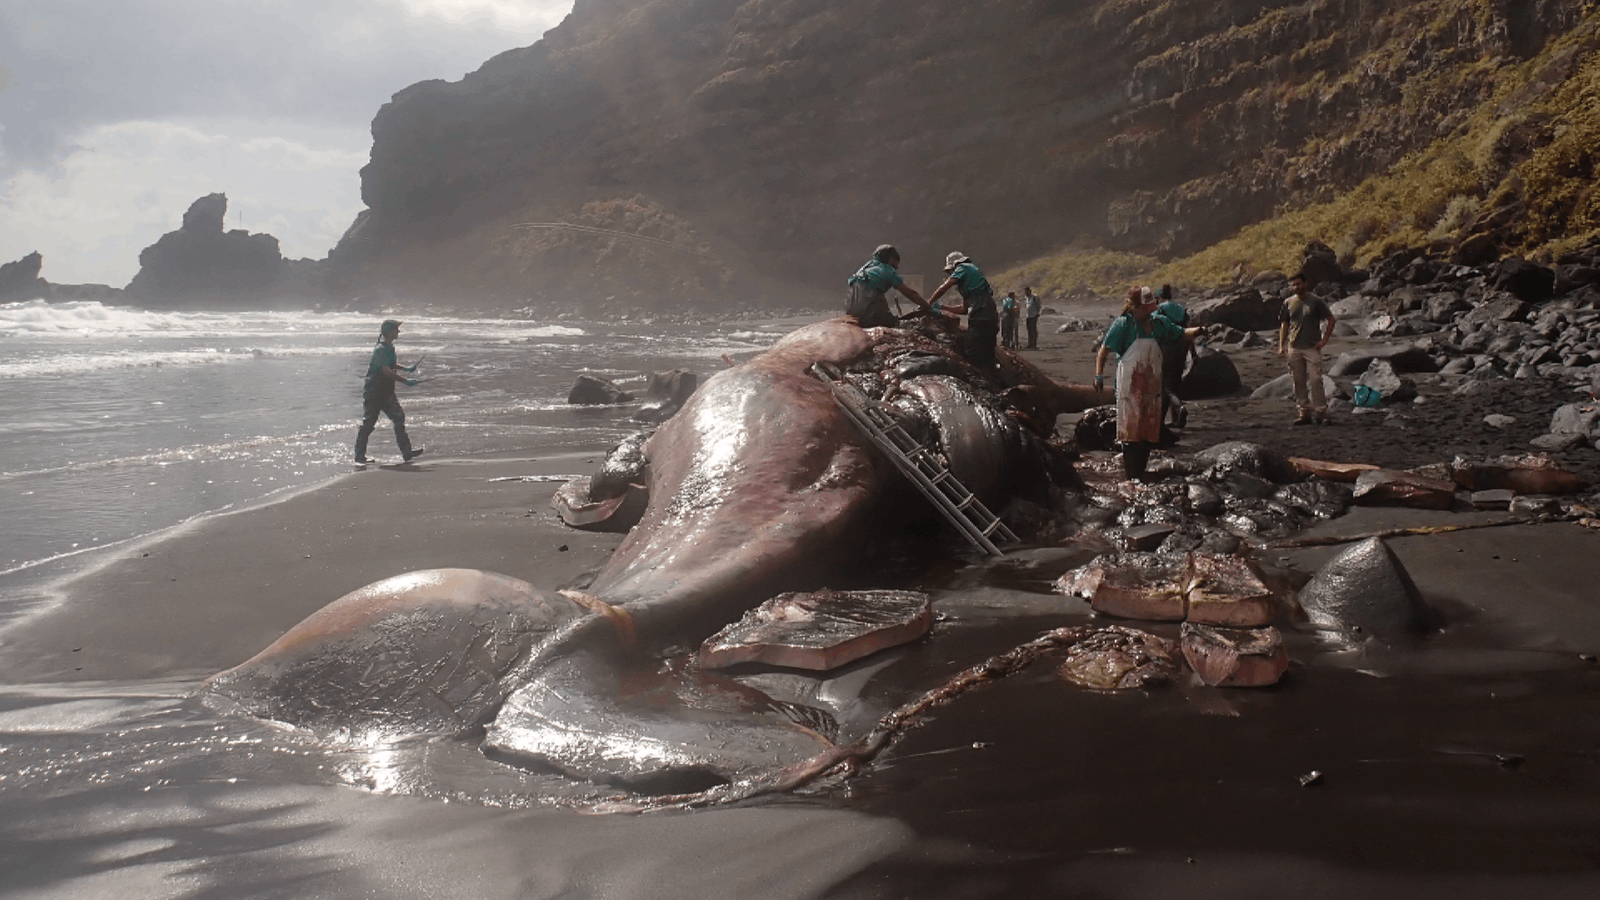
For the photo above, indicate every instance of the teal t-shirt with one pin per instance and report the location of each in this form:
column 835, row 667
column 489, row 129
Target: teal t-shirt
column 876, row 275
column 1008, row 303
column 382, row 358
column 1125, row 330
column 1174, row 312
column 969, row 281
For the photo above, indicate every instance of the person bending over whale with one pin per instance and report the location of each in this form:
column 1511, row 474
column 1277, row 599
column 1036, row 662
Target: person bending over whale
column 868, row 300
column 977, row 297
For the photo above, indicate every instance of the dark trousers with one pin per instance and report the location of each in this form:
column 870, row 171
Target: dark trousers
column 1008, row 331
column 979, row 347
column 1033, row 332
column 389, row 405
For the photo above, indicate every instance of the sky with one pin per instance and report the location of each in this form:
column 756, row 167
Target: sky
column 115, row 115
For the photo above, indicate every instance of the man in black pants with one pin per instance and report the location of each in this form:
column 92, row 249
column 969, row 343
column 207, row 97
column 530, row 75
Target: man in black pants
column 983, row 317
column 378, row 394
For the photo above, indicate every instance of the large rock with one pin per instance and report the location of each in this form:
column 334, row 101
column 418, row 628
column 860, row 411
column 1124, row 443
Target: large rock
column 1247, row 310
column 1364, row 587
column 200, row 263
column 820, row 630
column 590, row 390
column 1381, row 377
column 20, row 280
column 1320, row 264
column 1577, row 418
column 1494, row 312
column 1400, row 357
column 666, row 394
column 1212, row 375
column 1528, row 282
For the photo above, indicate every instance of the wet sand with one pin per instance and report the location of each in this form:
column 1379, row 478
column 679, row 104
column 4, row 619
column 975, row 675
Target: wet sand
column 1465, row 764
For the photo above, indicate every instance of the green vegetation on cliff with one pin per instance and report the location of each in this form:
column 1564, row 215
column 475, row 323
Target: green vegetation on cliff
column 1515, row 173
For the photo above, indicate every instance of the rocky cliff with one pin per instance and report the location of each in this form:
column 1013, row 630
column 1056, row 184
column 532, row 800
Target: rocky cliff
column 712, row 152
column 202, row 265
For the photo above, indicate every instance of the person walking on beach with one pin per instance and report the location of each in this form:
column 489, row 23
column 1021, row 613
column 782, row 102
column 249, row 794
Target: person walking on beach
column 1136, row 337
column 378, row 394
column 1174, row 354
column 1305, row 325
column 1030, row 309
column 868, row 300
column 977, row 299
column 1008, row 320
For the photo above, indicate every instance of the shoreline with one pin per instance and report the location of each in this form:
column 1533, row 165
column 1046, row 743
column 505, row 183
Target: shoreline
column 237, row 580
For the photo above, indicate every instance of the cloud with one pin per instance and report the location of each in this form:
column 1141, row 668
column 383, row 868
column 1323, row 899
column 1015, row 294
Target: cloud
column 126, row 112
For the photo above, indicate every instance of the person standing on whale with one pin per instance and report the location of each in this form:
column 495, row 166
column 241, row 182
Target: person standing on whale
column 378, row 396
column 868, row 300
column 977, row 298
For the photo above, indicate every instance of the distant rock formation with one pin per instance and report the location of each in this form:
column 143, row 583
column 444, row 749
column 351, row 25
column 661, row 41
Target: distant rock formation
column 20, row 280
column 201, row 264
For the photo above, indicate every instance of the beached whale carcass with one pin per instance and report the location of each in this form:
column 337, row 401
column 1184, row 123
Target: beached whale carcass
column 759, row 485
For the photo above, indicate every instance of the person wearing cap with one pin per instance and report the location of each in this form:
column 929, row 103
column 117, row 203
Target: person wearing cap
column 868, row 300
column 378, row 396
column 977, row 298
column 1136, row 337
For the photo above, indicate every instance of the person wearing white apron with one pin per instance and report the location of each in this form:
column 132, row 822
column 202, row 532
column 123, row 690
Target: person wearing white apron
column 1136, row 338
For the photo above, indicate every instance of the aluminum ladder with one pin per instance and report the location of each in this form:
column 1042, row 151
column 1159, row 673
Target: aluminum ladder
column 919, row 463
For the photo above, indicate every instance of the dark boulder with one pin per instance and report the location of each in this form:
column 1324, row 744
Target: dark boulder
column 1400, row 357
column 666, row 394
column 1246, row 310
column 1320, row 264
column 200, row 262
column 1212, row 375
column 1365, row 588
column 1528, row 282
column 589, row 390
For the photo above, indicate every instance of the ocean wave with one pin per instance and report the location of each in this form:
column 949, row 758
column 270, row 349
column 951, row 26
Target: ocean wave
column 81, row 363
column 87, row 318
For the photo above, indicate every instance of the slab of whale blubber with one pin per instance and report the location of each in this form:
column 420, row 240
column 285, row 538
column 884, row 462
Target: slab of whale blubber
column 820, row 630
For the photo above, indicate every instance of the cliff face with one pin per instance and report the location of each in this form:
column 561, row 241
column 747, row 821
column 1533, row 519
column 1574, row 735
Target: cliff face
column 701, row 151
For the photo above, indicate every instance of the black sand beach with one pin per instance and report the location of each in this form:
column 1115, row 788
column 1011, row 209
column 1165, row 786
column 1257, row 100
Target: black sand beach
column 1464, row 764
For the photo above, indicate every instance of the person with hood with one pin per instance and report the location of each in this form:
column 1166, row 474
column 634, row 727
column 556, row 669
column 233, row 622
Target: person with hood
column 1136, row 337
column 977, row 298
column 378, row 396
column 868, row 299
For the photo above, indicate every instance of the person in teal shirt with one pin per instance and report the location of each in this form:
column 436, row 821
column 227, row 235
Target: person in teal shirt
column 1174, row 355
column 1139, row 393
column 378, row 395
column 1008, row 320
column 977, row 297
column 868, row 300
